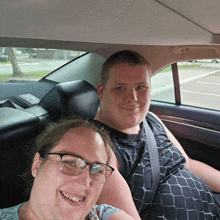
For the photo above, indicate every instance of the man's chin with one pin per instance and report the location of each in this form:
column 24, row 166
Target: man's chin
column 133, row 120
column 131, row 125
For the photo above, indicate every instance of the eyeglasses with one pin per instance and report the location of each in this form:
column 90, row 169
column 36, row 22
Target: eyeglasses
column 73, row 165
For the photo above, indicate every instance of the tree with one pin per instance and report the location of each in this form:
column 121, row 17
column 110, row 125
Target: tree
column 16, row 69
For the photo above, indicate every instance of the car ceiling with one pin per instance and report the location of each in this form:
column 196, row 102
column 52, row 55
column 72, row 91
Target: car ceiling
column 151, row 22
column 171, row 28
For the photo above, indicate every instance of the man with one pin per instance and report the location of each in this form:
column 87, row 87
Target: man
column 125, row 94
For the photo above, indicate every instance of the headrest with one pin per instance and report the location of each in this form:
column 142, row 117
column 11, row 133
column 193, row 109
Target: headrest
column 71, row 98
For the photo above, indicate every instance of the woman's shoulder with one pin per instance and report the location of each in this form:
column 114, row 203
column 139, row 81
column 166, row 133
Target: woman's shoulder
column 105, row 211
column 10, row 213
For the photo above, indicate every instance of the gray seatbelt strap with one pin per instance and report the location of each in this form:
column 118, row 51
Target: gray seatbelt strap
column 154, row 161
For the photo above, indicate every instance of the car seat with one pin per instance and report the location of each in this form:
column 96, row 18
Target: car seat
column 20, row 127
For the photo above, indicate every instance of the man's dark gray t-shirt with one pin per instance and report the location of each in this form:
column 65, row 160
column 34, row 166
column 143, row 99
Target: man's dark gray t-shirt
column 180, row 194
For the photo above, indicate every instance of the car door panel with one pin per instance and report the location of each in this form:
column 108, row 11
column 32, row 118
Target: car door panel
column 197, row 130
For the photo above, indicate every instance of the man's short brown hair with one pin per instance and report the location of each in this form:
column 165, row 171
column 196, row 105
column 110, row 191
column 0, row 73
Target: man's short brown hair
column 129, row 57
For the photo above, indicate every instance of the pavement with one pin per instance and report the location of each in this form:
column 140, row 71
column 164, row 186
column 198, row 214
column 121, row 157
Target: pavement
column 164, row 80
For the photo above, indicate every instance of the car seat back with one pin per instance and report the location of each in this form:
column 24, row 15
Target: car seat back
column 71, row 98
column 20, row 127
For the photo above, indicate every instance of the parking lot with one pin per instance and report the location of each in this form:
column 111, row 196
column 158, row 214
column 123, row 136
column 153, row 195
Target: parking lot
column 199, row 86
column 204, row 92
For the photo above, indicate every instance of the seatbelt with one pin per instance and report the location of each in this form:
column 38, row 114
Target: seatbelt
column 154, row 161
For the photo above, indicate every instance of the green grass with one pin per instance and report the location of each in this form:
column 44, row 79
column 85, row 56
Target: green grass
column 8, row 62
column 180, row 67
column 27, row 76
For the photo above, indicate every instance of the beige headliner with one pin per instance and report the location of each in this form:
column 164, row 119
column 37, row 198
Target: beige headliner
column 163, row 30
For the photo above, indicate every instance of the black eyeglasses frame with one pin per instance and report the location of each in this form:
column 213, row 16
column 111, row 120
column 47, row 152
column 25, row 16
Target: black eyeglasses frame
column 86, row 163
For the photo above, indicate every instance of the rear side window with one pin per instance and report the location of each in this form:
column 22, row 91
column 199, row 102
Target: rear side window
column 199, row 84
column 32, row 64
column 162, row 86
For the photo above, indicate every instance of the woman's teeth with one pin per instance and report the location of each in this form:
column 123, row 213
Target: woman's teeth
column 71, row 197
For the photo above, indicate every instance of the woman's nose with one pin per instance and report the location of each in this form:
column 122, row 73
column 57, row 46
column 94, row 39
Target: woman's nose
column 84, row 178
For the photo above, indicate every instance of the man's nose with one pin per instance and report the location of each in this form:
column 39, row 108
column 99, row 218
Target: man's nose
column 131, row 95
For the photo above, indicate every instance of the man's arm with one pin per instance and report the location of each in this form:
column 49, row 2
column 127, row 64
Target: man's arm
column 117, row 193
column 206, row 173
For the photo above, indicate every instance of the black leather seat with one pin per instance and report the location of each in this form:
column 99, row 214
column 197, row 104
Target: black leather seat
column 71, row 98
column 19, row 128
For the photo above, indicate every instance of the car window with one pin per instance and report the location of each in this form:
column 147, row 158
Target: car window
column 32, row 63
column 199, row 84
column 162, row 86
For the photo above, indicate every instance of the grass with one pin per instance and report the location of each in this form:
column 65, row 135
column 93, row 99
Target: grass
column 27, row 76
column 180, row 67
column 8, row 62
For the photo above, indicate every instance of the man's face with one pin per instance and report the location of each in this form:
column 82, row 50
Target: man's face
column 126, row 97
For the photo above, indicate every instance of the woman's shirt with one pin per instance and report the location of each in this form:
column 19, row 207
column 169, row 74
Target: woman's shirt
column 99, row 212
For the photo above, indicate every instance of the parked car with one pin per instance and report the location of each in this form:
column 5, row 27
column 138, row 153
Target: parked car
column 208, row 61
column 185, row 95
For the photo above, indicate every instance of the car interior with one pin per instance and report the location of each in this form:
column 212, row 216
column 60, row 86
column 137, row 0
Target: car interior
column 169, row 34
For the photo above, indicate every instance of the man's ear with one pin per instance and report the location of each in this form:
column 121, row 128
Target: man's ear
column 36, row 165
column 100, row 91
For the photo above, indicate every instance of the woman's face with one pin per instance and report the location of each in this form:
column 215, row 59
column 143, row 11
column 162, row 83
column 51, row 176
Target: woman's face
column 61, row 196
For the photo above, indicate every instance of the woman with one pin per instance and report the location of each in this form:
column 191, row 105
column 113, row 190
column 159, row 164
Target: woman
column 68, row 171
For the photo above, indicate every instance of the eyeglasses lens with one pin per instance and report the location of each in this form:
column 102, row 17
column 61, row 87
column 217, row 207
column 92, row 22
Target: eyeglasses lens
column 73, row 166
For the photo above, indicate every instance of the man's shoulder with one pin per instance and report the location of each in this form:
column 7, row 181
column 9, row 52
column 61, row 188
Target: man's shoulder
column 154, row 121
column 152, row 117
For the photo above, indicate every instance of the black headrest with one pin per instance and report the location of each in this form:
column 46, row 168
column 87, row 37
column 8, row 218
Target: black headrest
column 71, row 98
